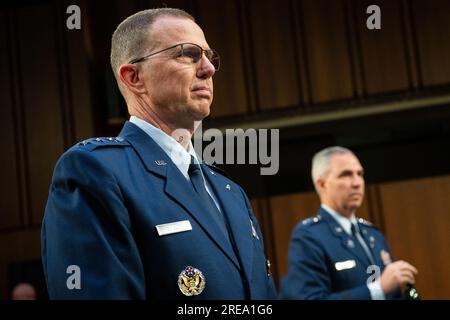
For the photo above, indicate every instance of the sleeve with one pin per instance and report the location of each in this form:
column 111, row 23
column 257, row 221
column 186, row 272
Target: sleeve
column 308, row 276
column 376, row 293
column 88, row 249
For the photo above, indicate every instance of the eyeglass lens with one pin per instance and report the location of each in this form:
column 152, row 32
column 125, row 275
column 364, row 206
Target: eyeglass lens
column 195, row 53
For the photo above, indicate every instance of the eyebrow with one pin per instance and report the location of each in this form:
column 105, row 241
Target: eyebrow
column 347, row 172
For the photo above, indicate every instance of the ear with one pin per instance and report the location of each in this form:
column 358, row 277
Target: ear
column 130, row 78
column 320, row 184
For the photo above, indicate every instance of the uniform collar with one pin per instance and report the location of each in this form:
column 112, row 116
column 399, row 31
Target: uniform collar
column 344, row 222
column 179, row 156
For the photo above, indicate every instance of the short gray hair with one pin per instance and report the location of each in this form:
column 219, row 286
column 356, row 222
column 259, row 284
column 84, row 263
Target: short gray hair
column 130, row 39
column 321, row 161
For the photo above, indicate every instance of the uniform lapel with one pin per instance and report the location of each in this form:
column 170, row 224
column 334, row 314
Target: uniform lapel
column 348, row 242
column 176, row 185
column 374, row 246
column 237, row 216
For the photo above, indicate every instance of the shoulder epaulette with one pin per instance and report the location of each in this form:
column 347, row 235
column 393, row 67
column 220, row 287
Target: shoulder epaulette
column 312, row 220
column 93, row 143
column 365, row 222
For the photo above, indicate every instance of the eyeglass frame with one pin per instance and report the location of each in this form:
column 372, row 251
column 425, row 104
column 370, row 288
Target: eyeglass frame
column 136, row 60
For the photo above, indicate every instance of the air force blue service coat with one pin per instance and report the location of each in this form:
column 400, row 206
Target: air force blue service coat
column 107, row 197
column 327, row 263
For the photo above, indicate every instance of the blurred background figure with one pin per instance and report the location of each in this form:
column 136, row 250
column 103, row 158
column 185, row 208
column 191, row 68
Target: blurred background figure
column 333, row 255
column 23, row 291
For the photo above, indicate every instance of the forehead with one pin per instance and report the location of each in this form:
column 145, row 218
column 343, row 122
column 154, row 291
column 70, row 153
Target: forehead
column 344, row 161
column 173, row 30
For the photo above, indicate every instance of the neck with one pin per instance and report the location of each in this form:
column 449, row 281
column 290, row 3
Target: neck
column 347, row 213
column 182, row 134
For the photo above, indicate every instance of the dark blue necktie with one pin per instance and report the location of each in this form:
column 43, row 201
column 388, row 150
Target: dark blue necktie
column 198, row 183
column 362, row 243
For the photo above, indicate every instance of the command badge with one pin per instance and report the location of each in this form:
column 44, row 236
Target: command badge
column 191, row 281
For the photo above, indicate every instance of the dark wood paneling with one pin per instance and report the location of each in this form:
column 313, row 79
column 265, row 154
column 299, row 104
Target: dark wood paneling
column 383, row 51
column 42, row 100
column 301, row 53
column 409, row 37
column 124, row 9
column 374, row 207
column 277, row 71
column 78, row 82
column 220, row 23
column 432, row 26
column 17, row 246
column 181, row 4
column 418, row 230
column 9, row 175
column 327, row 46
column 286, row 211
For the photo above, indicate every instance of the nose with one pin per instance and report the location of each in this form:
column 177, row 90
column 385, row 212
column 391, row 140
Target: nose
column 357, row 181
column 205, row 68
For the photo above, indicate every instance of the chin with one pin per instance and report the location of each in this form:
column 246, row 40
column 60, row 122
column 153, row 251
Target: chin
column 355, row 205
column 202, row 112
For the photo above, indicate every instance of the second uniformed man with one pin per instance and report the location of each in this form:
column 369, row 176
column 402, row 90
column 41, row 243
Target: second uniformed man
column 330, row 254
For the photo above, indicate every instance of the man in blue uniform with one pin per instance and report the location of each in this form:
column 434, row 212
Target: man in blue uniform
column 335, row 255
column 140, row 216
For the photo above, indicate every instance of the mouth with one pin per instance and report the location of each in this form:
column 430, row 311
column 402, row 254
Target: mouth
column 202, row 91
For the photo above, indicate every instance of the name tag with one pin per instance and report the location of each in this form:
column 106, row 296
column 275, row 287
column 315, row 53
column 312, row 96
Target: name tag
column 344, row 265
column 173, row 227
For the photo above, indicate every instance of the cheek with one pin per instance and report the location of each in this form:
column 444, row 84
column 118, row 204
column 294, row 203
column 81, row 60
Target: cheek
column 342, row 190
column 169, row 77
column 336, row 191
column 170, row 89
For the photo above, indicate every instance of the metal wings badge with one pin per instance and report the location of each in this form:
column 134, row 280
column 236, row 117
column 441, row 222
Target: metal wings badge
column 191, row 281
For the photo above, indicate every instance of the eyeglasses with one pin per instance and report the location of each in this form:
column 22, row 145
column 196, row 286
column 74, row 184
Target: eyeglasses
column 191, row 51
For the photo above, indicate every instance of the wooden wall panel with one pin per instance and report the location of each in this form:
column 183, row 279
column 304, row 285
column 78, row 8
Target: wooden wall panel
column 276, row 67
column 79, row 85
column 41, row 94
column 46, row 99
column 383, row 52
column 220, row 23
column 124, row 9
column 182, row 4
column 327, row 50
column 9, row 199
column 432, row 26
column 286, row 212
column 417, row 220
